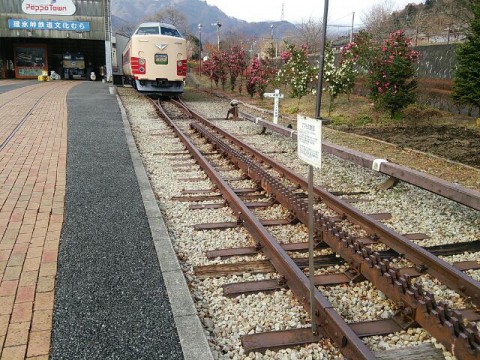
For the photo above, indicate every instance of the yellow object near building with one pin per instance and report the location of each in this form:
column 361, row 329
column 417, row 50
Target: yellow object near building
column 44, row 76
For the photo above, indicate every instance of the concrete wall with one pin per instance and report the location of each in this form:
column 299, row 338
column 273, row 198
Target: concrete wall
column 437, row 61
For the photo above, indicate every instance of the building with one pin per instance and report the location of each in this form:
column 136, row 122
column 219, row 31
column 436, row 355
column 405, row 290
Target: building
column 71, row 37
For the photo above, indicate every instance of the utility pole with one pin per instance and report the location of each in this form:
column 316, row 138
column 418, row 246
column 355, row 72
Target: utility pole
column 200, row 48
column 108, row 41
column 321, row 61
column 353, row 22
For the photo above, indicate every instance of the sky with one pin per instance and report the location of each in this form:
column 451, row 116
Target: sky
column 339, row 11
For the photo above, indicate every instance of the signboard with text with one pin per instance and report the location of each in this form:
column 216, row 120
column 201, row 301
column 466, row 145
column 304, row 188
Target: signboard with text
column 30, row 60
column 49, row 7
column 61, row 25
column 309, row 140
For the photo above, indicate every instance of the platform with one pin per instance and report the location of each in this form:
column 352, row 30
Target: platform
column 87, row 268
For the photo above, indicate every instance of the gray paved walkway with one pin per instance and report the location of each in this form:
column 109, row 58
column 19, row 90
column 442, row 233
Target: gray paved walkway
column 110, row 300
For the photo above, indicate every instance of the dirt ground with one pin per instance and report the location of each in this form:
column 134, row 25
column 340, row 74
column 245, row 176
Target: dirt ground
column 451, row 142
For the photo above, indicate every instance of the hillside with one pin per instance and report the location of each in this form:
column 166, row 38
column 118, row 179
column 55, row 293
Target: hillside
column 433, row 21
column 129, row 13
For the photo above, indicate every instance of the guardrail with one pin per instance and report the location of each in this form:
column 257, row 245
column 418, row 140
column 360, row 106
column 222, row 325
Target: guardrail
column 457, row 193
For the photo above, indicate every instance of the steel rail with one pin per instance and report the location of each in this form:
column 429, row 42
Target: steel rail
column 333, row 325
column 454, row 192
column 445, row 325
column 440, row 269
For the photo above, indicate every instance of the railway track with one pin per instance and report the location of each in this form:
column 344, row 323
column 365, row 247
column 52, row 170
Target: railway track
column 462, row 195
column 274, row 185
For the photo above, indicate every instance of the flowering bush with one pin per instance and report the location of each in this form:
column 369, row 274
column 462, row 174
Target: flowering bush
column 340, row 78
column 237, row 63
column 391, row 77
column 285, row 55
column 216, row 68
column 208, row 68
column 259, row 73
column 296, row 72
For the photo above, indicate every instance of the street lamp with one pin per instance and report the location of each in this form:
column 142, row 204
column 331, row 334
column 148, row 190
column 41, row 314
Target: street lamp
column 200, row 47
column 218, row 25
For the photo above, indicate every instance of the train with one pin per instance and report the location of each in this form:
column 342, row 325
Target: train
column 155, row 59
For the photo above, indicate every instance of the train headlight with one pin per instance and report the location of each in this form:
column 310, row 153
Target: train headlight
column 179, row 63
column 141, row 69
column 141, row 61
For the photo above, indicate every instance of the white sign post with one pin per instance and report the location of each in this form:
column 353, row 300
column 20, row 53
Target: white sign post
column 276, row 96
column 309, row 142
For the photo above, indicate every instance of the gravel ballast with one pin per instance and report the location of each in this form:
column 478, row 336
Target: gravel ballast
column 227, row 319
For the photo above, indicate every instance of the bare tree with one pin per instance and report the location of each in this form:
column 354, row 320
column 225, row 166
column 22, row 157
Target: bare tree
column 378, row 19
column 457, row 12
column 309, row 34
column 170, row 15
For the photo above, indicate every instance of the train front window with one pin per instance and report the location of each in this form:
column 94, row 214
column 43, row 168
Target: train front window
column 148, row 30
column 170, row 32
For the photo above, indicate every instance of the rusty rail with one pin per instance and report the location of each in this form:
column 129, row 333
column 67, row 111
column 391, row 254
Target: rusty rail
column 418, row 306
column 333, row 326
column 424, row 260
column 457, row 193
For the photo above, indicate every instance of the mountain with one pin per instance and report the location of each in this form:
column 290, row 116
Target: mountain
column 129, row 13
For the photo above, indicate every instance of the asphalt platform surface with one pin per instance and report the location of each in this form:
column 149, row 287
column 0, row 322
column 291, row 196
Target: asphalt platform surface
column 110, row 300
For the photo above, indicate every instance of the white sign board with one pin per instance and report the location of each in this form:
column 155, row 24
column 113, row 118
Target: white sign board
column 309, row 140
column 276, row 96
column 49, row 7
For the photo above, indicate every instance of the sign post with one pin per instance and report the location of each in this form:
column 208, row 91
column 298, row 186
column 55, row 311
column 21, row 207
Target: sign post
column 276, row 96
column 310, row 151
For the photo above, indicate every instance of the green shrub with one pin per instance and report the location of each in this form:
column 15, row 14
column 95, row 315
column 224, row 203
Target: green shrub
column 364, row 119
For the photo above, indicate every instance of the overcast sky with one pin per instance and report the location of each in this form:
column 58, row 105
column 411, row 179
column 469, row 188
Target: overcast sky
column 339, row 11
